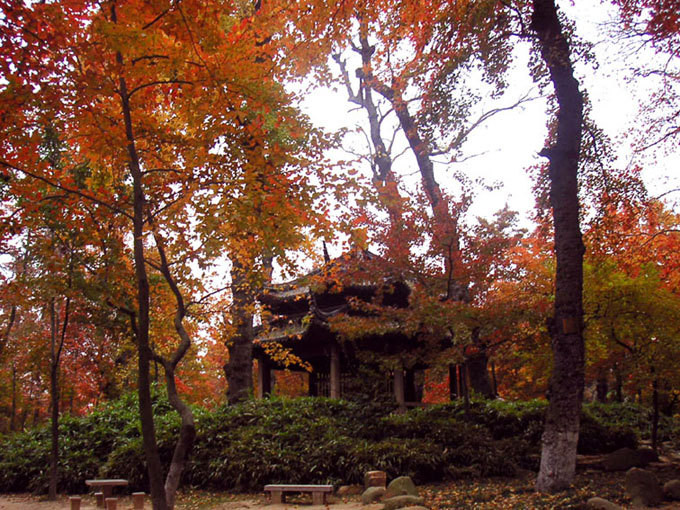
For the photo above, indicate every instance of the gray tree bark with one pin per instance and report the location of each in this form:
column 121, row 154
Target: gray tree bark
column 560, row 435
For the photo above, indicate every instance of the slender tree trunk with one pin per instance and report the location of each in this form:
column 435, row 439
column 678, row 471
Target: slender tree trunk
column 464, row 386
column 13, row 416
column 54, row 397
column 8, row 329
column 655, row 413
column 187, row 432
column 619, row 384
column 153, row 460
column 560, row 435
column 239, row 368
column 602, row 388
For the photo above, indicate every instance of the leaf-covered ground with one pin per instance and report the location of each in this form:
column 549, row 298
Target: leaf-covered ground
column 518, row 493
column 479, row 494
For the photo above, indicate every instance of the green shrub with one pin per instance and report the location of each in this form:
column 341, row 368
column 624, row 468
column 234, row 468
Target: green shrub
column 306, row 440
column 596, row 436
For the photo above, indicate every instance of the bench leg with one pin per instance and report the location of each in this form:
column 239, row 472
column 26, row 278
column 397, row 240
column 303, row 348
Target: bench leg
column 138, row 500
column 318, row 498
column 100, row 499
column 75, row 502
column 111, row 503
column 277, row 497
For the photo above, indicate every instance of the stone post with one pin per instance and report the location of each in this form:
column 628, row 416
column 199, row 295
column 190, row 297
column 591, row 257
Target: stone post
column 138, row 500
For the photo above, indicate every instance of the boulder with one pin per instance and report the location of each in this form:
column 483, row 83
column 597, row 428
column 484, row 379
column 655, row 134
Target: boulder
column 402, row 502
column 602, row 504
column 643, row 487
column 620, row 460
column 626, row 458
column 646, row 456
column 372, row 494
column 672, row 490
column 402, row 486
column 349, row 490
column 375, row 479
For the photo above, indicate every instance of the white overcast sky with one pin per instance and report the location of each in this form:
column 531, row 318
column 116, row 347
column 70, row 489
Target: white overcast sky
column 510, row 141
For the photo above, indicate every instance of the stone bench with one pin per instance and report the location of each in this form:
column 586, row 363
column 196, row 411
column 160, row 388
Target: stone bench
column 106, row 487
column 318, row 492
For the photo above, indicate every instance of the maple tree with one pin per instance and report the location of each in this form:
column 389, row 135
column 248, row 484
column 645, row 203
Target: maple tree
column 154, row 98
column 414, row 65
column 179, row 148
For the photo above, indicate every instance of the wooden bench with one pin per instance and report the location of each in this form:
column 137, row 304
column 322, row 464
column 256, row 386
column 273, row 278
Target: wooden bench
column 106, row 486
column 318, row 492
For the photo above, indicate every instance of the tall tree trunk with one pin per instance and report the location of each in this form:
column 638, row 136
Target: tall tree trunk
column 54, row 399
column 153, row 460
column 56, row 347
column 560, row 435
column 618, row 380
column 602, row 387
column 655, row 412
column 477, row 367
column 239, row 368
column 13, row 417
column 8, row 329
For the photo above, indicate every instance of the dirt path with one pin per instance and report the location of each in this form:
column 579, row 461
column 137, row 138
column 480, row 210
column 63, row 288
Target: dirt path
column 29, row 502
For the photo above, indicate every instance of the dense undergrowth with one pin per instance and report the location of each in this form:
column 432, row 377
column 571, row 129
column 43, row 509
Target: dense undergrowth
column 309, row 440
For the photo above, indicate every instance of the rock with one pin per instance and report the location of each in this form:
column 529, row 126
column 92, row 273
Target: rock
column 375, row 479
column 626, row 458
column 372, row 494
column 402, row 486
column 643, row 487
column 349, row 490
column 645, row 456
column 602, row 504
column 620, row 460
column 672, row 490
column 402, row 502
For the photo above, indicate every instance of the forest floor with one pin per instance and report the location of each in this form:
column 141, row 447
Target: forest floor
column 515, row 493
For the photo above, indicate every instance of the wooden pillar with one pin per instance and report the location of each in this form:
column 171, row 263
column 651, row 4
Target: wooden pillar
column 399, row 388
column 335, row 372
column 313, row 384
column 264, row 378
column 410, row 386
